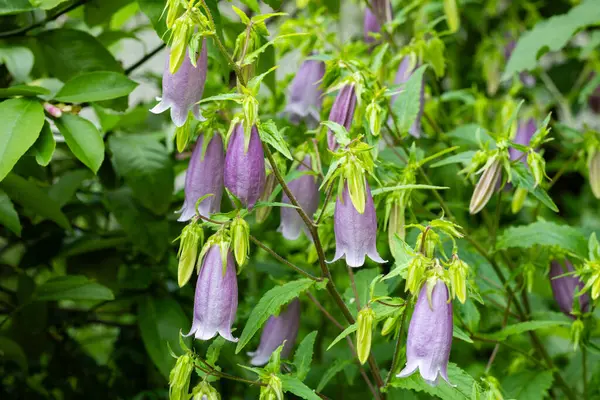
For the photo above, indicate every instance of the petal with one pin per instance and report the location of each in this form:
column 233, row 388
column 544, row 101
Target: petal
column 178, row 115
column 409, row 369
column 259, row 358
column 374, row 255
column 205, row 332
column 161, row 107
column 187, row 212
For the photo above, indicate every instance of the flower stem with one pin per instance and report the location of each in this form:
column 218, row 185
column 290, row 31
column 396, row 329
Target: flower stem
column 283, row 260
column 397, row 349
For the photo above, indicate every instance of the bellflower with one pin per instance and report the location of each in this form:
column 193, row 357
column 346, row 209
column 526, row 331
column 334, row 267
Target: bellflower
column 525, row 131
column 383, row 8
column 355, row 233
column 183, row 89
column 216, row 299
column 430, row 336
column 245, row 169
column 403, row 74
column 204, row 176
column 277, row 330
column 305, row 94
column 565, row 287
column 306, row 191
column 342, row 112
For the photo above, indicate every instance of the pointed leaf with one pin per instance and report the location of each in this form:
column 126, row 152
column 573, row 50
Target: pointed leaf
column 83, row 139
column 95, row 86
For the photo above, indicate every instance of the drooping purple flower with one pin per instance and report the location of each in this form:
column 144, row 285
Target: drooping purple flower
column 216, row 299
column 566, row 287
column 342, row 112
column 381, row 8
column 182, row 90
column 405, row 71
column 306, row 191
column 525, row 131
column 278, row 329
column 355, row 233
column 430, row 336
column 305, row 94
column 245, row 170
column 204, row 176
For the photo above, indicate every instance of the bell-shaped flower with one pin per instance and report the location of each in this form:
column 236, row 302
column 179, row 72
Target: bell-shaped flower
column 216, row 299
column 306, row 191
column 355, row 233
column 204, row 176
column 381, row 9
column 403, row 74
column 525, row 131
column 566, row 287
column 245, row 168
column 182, row 90
column 430, row 335
column 342, row 112
column 277, row 330
column 305, row 94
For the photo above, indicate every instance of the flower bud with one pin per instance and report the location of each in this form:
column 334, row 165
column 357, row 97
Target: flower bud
column 179, row 377
column 518, row 199
column 389, row 325
column 432, row 239
column 396, row 223
column 565, row 288
column 364, row 333
column 458, row 271
column 204, row 391
column 374, row 116
column 190, row 240
column 262, row 213
column 180, row 36
column 452, row 16
column 53, row 110
column 273, row 390
column 305, row 93
column 576, row 330
column 342, row 112
column 240, row 238
column 250, row 109
column 537, row 165
column 416, row 273
column 174, row 11
column 486, row 186
column 594, row 171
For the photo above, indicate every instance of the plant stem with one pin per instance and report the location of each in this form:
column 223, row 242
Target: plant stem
column 145, row 58
column 283, row 260
column 353, row 284
column 327, row 198
column 397, row 349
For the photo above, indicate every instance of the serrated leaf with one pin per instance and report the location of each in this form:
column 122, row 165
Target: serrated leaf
column 407, row 104
column 351, row 329
column 269, row 305
column 304, row 354
column 463, row 381
column 95, row 86
column 44, row 146
column 544, row 233
column 551, row 34
column 83, row 139
column 214, row 350
column 270, row 134
column 523, row 178
column 523, row 327
column 294, row 385
column 8, row 215
column 72, row 287
column 528, row 384
column 332, row 371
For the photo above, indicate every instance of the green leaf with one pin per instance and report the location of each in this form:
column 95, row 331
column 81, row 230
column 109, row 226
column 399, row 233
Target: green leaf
column 406, row 187
column 269, row 305
column 18, row 60
column 274, row 4
column 44, row 146
column 351, row 329
column 70, row 52
column 30, row 196
column 149, row 233
column 523, row 327
column 12, row 351
column 470, row 135
column 23, row 90
column 145, row 165
column 66, row 187
column 463, row 381
column 294, row 385
column 460, row 158
column 160, row 321
column 544, row 233
column 304, row 354
column 154, row 11
column 551, row 34
column 95, row 86
column 8, row 215
column 20, row 123
column 407, row 104
column 460, row 334
column 528, row 384
column 269, row 133
column 72, row 287
column 252, row 4
column 46, row 4
column 97, row 12
column 214, row 350
column 524, row 179
column 335, row 368
column 15, row 6
column 83, row 139
column 340, row 132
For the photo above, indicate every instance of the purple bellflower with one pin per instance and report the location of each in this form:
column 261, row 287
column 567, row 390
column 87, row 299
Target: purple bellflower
column 245, row 175
column 182, row 90
column 216, row 299
column 403, row 74
column 383, row 8
column 355, row 233
column 305, row 94
column 525, row 131
column 277, row 330
column 566, row 287
column 342, row 112
column 430, row 336
column 306, row 191
column 204, row 176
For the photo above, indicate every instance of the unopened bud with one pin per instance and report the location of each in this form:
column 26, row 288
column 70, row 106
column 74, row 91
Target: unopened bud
column 518, row 200
column 250, row 108
column 240, row 239
column 452, row 16
column 191, row 239
column 53, row 110
column 396, row 223
column 181, row 33
column 364, row 333
column 427, row 241
column 458, row 271
column 594, row 171
column 204, row 391
column 273, row 390
column 174, row 11
column 374, row 116
column 179, row 378
column 262, row 213
column 576, row 330
column 416, row 273
column 529, row 270
column 538, row 166
column 486, row 186
column 389, row 325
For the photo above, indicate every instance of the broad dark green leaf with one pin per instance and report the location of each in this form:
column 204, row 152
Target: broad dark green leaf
column 147, row 168
column 66, row 187
column 8, row 215
column 406, row 106
column 95, row 86
column 528, row 384
column 69, row 52
column 12, row 351
column 34, row 199
column 44, row 146
column 269, row 305
column 83, row 139
column 149, row 233
column 21, row 121
column 23, row 90
column 97, row 12
column 304, row 354
column 15, row 6
column 160, row 321
column 294, row 385
column 154, row 11
column 72, row 287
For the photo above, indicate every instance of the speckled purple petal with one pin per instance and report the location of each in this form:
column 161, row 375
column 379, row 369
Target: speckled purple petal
column 182, row 90
column 216, row 299
column 305, row 94
column 245, row 171
column 204, row 175
column 355, row 233
column 306, row 191
column 565, row 287
column 342, row 112
column 430, row 336
column 525, row 131
column 276, row 330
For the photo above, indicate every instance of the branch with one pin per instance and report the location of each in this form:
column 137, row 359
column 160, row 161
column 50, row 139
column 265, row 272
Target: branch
column 283, row 260
column 145, row 58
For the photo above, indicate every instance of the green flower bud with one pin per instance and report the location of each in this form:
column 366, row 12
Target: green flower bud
column 174, row 11
column 180, row 35
column 356, row 185
column 262, row 213
column 594, row 171
column 374, row 116
column 458, row 271
column 179, row 378
column 250, row 108
column 389, row 325
column 576, row 330
column 518, row 200
column 364, row 333
column 452, row 16
column 240, row 238
column 486, row 186
column 204, row 391
column 190, row 240
column 432, row 239
column 396, row 223
column 538, row 166
column 416, row 273
column 274, row 389
column 529, row 271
